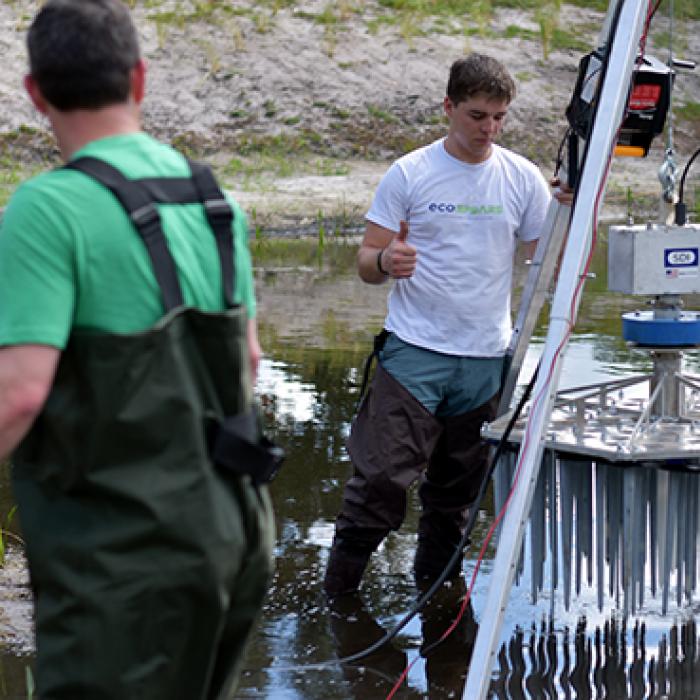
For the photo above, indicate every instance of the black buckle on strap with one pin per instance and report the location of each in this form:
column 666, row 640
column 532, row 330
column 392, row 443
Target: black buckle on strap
column 218, row 208
column 146, row 219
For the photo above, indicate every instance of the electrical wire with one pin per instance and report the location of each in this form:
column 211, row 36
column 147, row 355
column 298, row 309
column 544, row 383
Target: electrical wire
column 681, row 187
column 559, row 160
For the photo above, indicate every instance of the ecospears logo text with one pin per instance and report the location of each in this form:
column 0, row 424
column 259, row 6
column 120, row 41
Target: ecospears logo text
column 471, row 209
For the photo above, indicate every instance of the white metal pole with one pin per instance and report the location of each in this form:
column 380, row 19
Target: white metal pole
column 613, row 93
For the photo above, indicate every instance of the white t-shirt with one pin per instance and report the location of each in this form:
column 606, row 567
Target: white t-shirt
column 463, row 221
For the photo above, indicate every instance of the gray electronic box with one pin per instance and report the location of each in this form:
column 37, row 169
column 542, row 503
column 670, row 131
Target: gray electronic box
column 654, row 259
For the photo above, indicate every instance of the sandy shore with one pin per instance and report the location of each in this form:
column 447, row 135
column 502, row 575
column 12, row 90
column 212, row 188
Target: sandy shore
column 355, row 92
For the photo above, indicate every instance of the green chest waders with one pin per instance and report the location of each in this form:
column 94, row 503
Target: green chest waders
column 141, row 488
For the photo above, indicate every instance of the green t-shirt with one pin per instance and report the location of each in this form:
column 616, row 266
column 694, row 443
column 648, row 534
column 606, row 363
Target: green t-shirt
column 70, row 257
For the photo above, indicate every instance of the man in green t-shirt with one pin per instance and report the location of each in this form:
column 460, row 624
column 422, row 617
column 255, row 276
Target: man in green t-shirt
column 149, row 544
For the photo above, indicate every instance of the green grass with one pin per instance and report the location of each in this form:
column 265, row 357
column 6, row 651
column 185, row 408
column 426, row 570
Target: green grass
column 380, row 114
column 683, row 9
column 513, row 30
column 281, row 155
column 10, row 177
column 411, row 18
column 331, row 251
column 24, row 152
column 563, row 39
column 518, row 4
column 690, row 111
column 601, row 5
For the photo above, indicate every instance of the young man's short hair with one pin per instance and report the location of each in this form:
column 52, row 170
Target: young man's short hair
column 81, row 53
column 479, row 74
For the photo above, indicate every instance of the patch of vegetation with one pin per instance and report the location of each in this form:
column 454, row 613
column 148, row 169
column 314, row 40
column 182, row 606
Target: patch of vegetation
column 375, row 24
column 523, row 76
column 683, row 9
column 376, row 139
column 281, row 155
column 518, row 4
column 331, row 251
column 662, row 38
column 428, row 6
column 24, row 152
column 564, row 40
column 380, row 114
column 10, row 177
column 513, row 30
column 409, row 15
column 600, row 5
column 690, row 111
column 276, row 5
column 7, row 534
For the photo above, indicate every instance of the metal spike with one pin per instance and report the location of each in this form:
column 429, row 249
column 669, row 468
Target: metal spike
column 566, row 491
column 537, row 534
column 551, row 462
column 629, row 503
column 601, row 470
column 653, row 529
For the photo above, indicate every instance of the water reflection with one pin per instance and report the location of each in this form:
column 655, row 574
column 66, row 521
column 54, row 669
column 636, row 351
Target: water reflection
column 446, row 660
column 608, row 662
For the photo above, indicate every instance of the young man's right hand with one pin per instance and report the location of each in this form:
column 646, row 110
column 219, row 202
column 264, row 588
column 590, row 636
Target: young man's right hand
column 399, row 257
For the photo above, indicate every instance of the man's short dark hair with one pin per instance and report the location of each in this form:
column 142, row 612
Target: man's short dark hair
column 81, row 53
column 479, row 74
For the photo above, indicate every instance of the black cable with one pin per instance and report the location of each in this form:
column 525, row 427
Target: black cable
column 685, row 172
column 560, row 152
column 681, row 216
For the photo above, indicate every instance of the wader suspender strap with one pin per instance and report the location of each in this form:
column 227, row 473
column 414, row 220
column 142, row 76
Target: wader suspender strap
column 379, row 341
column 220, row 217
column 139, row 197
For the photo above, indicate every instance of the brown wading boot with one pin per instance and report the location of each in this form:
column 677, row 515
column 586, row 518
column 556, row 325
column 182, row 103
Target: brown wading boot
column 439, row 537
column 344, row 571
column 427, row 567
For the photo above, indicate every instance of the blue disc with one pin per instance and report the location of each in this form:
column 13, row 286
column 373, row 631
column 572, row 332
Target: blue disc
column 642, row 328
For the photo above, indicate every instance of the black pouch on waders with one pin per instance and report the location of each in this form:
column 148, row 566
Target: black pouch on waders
column 234, row 439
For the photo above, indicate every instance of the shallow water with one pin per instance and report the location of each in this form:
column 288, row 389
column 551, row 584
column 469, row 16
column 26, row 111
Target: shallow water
column 548, row 652
column 576, row 653
column 316, row 327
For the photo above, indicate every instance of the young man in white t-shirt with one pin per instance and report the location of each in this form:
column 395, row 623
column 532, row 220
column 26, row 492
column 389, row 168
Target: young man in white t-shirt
column 444, row 225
